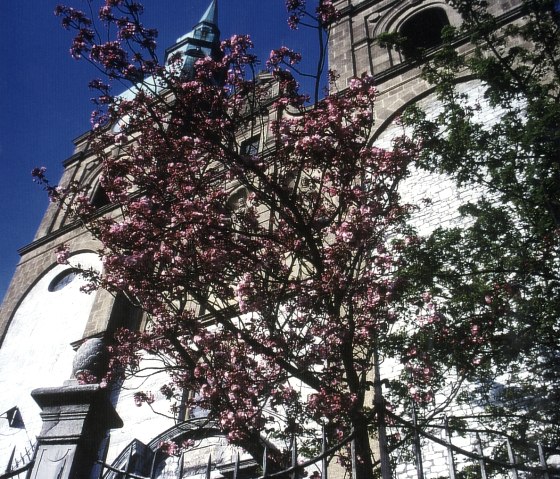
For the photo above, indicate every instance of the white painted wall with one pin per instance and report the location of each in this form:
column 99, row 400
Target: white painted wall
column 437, row 199
column 37, row 351
column 443, row 195
column 140, row 422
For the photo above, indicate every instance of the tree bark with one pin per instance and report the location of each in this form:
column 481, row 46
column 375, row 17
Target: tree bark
column 362, row 462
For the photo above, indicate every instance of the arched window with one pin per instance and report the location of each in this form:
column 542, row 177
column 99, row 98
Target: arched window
column 99, row 198
column 124, row 314
column 250, row 147
column 423, row 31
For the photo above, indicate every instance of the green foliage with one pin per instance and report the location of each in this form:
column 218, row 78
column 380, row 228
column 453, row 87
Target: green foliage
column 391, row 40
column 500, row 271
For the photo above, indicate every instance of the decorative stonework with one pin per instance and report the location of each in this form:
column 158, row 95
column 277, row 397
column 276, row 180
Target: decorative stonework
column 75, row 421
column 91, row 360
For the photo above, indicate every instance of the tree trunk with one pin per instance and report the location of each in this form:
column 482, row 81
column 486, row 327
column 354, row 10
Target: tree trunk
column 362, row 462
column 379, row 403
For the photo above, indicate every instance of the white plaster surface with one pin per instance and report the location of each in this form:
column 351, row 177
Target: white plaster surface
column 140, row 422
column 437, row 199
column 37, row 351
column 436, row 196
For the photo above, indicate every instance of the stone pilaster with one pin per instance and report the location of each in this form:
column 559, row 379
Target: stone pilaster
column 76, row 418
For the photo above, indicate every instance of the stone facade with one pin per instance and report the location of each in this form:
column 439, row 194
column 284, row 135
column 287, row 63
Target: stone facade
column 40, row 324
column 355, row 50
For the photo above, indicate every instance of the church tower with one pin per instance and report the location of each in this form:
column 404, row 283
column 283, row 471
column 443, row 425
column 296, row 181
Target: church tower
column 203, row 41
column 45, row 317
column 356, row 48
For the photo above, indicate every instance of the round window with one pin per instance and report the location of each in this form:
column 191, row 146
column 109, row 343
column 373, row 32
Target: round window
column 63, row 279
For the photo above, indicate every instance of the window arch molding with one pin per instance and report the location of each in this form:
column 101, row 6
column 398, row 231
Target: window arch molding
column 37, row 340
column 96, row 193
column 208, row 438
column 394, row 19
column 98, row 196
column 383, row 124
column 47, row 271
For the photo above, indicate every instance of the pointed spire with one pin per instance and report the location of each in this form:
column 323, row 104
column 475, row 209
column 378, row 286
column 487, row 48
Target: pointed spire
column 202, row 41
column 211, row 14
column 207, row 28
column 207, row 23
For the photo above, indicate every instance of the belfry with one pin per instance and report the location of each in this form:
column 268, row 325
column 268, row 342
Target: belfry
column 201, row 42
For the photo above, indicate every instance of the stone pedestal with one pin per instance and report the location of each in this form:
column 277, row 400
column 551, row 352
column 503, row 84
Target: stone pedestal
column 76, row 418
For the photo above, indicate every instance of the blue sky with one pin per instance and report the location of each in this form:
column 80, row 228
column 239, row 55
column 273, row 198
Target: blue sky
column 45, row 102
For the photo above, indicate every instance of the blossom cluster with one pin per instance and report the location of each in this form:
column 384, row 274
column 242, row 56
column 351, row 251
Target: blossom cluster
column 301, row 284
column 325, row 13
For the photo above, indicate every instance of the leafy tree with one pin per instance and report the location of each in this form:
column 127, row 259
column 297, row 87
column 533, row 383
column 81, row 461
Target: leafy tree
column 498, row 276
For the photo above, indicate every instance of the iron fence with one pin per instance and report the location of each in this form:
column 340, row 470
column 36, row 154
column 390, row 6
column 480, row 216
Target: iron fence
column 457, row 458
column 19, row 462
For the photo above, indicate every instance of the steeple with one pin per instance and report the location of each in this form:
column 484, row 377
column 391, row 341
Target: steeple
column 211, row 15
column 202, row 41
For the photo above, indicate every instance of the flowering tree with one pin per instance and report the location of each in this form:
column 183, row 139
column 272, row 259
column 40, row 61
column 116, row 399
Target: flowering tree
column 267, row 274
column 273, row 277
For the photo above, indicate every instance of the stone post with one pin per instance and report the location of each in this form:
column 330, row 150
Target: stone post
column 76, row 419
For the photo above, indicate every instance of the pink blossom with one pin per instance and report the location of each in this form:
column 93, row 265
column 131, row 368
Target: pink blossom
column 308, row 260
column 62, row 254
column 168, row 447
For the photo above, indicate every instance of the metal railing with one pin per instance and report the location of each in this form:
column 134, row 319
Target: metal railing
column 238, row 468
column 19, row 462
column 454, row 458
column 503, row 461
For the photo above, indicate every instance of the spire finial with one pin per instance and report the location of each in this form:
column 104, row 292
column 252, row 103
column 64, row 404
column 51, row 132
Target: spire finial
column 211, row 14
column 202, row 41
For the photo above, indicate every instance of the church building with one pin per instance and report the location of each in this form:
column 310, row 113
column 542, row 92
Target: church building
column 51, row 332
